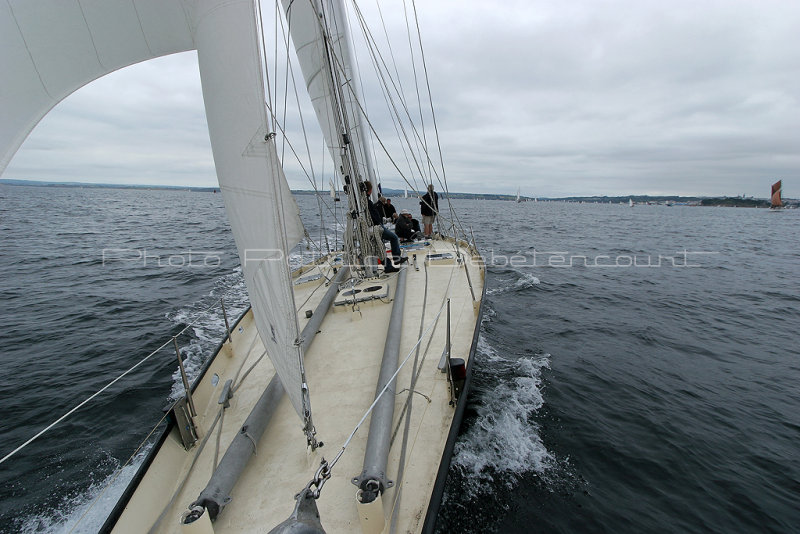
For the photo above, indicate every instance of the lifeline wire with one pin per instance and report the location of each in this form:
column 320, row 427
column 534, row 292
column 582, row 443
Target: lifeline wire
column 76, row 408
column 91, row 397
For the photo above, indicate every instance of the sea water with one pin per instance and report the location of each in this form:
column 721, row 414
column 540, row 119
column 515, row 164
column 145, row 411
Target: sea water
column 637, row 368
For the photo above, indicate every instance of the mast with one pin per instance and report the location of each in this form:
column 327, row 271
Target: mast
column 320, row 35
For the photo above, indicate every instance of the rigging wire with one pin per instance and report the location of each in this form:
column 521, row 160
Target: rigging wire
column 394, row 61
column 280, row 218
column 378, row 60
column 355, row 75
column 290, row 71
column 416, row 87
column 376, row 55
column 373, row 44
column 453, row 214
column 104, row 388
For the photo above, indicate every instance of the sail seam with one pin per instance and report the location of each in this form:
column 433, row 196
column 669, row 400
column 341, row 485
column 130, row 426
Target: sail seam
column 91, row 36
column 141, row 28
column 28, row 49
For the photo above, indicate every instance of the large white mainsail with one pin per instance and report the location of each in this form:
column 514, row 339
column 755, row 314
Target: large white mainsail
column 51, row 48
column 309, row 23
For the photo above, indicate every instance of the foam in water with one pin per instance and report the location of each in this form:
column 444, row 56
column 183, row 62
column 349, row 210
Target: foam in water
column 525, row 281
column 208, row 325
column 503, row 440
column 86, row 512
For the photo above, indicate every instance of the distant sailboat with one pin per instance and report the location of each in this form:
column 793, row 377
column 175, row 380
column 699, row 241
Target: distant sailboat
column 775, row 196
column 630, row 202
column 518, row 199
column 406, row 193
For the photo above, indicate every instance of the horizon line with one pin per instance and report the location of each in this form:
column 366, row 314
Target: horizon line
column 41, row 183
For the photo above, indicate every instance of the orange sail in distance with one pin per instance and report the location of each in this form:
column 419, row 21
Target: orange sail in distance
column 775, row 197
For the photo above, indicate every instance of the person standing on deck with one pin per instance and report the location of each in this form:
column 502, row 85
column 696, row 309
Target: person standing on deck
column 429, row 206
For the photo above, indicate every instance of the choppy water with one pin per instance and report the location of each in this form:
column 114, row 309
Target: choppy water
column 637, row 368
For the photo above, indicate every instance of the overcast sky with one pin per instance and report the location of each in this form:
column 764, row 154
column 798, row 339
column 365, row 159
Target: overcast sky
column 556, row 98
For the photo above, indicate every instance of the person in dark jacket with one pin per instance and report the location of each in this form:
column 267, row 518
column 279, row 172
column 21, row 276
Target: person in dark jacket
column 429, row 206
column 404, row 226
column 388, row 209
column 376, row 214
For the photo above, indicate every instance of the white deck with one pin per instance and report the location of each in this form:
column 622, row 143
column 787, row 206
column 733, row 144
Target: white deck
column 342, row 367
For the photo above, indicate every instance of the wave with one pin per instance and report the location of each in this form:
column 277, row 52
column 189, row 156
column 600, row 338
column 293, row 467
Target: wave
column 207, row 325
column 523, row 282
column 85, row 512
column 503, row 442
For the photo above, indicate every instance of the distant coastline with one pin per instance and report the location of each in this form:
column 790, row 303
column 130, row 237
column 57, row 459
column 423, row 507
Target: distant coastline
column 669, row 200
column 35, row 183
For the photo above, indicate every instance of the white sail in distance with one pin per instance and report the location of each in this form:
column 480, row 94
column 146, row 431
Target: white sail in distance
column 54, row 47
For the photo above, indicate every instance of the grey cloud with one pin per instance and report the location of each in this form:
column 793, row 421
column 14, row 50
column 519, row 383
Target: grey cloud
column 557, row 97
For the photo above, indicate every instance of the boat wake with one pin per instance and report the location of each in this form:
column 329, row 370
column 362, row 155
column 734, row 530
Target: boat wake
column 503, row 442
column 524, row 281
column 85, row 512
column 207, row 325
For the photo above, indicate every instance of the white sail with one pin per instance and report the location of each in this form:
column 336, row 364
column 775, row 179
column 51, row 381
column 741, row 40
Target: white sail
column 52, row 48
column 306, row 19
column 264, row 217
column 55, row 47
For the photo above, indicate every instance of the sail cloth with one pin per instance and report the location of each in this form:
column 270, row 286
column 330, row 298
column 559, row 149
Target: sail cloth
column 50, row 48
column 775, row 195
column 264, row 217
column 308, row 22
column 55, row 47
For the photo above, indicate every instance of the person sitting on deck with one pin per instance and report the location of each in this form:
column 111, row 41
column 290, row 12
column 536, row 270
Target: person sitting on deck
column 389, row 211
column 377, row 219
column 404, row 227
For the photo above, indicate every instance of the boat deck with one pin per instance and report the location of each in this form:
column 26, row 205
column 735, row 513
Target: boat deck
column 342, row 367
